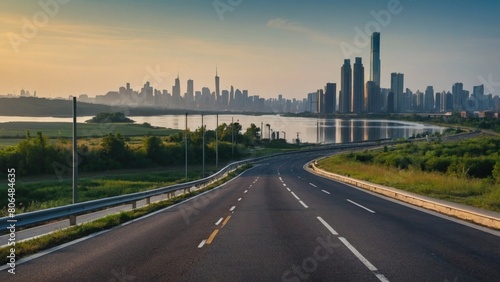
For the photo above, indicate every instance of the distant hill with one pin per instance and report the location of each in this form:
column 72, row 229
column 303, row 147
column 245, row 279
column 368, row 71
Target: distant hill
column 43, row 107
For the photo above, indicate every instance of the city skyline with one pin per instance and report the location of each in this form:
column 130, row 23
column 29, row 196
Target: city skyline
column 90, row 47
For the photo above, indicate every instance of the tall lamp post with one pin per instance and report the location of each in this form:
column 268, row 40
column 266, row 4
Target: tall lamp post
column 75, row 156
column 186, row 146
column 203, row 149
column 217, row 143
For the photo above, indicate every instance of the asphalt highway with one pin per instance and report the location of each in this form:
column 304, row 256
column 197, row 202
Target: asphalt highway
column 277, row 222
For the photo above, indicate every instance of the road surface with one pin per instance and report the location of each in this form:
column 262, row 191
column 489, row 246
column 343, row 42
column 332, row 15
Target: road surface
column 277, row 222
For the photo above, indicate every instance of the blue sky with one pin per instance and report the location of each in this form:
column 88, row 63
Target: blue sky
column 268, row 47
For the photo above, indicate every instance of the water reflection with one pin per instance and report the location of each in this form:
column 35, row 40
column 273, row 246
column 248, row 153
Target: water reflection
column 309, row 130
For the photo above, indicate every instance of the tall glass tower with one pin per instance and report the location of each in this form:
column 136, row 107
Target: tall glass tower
column 346, row 87
column 375, row 59
column 358, row 87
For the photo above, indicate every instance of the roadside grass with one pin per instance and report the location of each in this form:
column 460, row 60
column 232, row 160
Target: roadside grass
column 481, row 193
column 42, row 193
column 32, row 246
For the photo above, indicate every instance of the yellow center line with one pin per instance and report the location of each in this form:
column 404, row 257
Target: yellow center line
column 225, row 221
column 212, row 236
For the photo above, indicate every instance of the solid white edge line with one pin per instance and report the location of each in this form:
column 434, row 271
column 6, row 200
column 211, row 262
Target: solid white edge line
column 354, row 203
column 327, row 226
column 232, row 208
column 313, row 185
column 54, row 249
column 295, row 196
column 305, row 206
column 381, row 277
column 325, row 192
column 219, row 221
column 430, row 212
column 201, row 244
column 368, row 264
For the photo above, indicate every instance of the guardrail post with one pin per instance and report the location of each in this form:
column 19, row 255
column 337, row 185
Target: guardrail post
column 134, row 205
column 72, row 220
column 148, row 200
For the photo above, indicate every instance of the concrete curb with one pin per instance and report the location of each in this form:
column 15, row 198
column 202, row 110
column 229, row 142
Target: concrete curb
column 477, row 216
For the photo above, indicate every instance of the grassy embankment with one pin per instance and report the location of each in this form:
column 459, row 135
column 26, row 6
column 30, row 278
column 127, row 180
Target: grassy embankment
column 13, row 132
column 37, row 193
column 59, row 237
column 467, row 172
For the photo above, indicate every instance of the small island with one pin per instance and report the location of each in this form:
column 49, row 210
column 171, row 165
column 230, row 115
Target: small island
column 110, row 117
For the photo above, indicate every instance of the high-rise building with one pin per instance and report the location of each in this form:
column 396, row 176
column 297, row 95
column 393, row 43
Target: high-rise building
column 330, row 98
column 480, row 99
column 358, row 87
column 437, row 104
column 189, row 97
column 429, row 99
column 458, row 96
column 321, row 101
column 372, row 97
column 397, row 83
column 375, row 59
column 176, row 89
column 346, row 87
column 217, row 87
column 312, row 102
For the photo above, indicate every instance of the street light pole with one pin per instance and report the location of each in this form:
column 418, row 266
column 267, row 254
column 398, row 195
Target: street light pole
column 186, row 145
column 217, row 143
column 75, row 156
column 232, row 137
column 203, row 138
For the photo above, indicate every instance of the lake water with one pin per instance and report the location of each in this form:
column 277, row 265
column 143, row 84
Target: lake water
column 308, row 129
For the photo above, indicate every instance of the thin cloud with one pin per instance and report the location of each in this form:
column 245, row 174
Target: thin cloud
column 284, row 24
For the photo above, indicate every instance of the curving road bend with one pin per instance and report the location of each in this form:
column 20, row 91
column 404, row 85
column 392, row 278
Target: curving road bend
column 277, row 222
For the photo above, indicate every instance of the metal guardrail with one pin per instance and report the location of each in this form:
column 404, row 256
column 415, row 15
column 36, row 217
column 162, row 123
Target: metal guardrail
column 72, row 210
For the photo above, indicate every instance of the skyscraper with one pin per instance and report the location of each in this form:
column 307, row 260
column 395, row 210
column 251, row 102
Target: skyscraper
column 189, row 97
column 346, row 86
column 429, row 99
column 358, row 87
column 458, row 96
column 176, row 90
column 217, row 87
column 330, row 97
column 479, row 98
column 397, row 83
column 372, row 97
column 321, row 101
column 375, row 59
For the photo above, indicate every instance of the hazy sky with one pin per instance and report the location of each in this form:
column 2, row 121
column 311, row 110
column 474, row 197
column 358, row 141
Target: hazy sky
column 288, row 47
